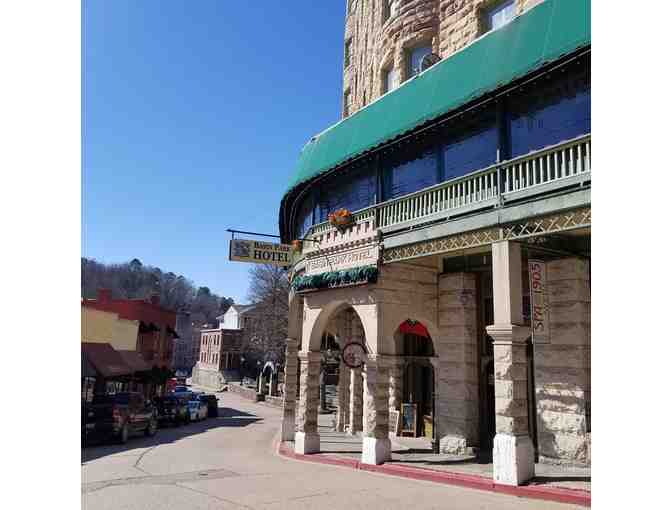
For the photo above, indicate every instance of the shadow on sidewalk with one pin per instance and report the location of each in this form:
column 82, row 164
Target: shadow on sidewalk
column 228, row 417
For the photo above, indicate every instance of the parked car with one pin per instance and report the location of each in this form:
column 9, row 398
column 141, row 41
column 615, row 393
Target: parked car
column 211, row 402
column 172, row 410
column 119, row 415
column 198, row 410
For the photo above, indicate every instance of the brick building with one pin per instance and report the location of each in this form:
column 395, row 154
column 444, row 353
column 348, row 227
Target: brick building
column 459, row 258
column 156, row 330
column 219, row 358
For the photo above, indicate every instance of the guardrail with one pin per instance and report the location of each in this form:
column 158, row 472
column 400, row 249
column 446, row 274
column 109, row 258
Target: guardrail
column 553, row 167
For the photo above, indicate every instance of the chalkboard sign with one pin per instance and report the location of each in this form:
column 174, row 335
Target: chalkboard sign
column 394, row 421
column 409, row 419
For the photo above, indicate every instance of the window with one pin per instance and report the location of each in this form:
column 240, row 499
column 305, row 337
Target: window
column 304, row 217
column 386, row 6
column 469, row 145
column 498, row 15
column 348, row 50
column 415, row 57
column 353, row 191
column 406, row 172
column 389, row 80
column 550, row 112
column 346, row 103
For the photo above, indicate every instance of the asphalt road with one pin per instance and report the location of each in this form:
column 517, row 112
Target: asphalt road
column 229, row 462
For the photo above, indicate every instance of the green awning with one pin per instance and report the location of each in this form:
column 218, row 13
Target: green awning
column 544, row 34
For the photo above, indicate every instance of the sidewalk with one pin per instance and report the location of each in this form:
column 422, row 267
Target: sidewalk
column 412, row 458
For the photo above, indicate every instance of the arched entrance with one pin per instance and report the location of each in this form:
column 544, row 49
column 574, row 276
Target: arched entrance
column 335, row 326
column 415, row 351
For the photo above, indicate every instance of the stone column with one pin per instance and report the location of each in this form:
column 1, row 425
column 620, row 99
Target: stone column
column 396, row 382
column 457, row 371
column 562, row 366
column 513, row 451
column 355, row 418
column 343, row 394
column 307, row 439
column 376, row 446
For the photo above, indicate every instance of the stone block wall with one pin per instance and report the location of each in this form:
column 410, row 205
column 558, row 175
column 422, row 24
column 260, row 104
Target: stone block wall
column 377, row 45
column 207, row 378
column 562, row 367
column 457, row 403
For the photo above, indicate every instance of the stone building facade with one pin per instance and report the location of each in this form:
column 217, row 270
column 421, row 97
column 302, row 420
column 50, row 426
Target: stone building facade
column 219, row 358
column 450, row 225
column 381, row 35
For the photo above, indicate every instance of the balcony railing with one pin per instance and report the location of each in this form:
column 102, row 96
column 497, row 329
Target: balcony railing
column 552, row 168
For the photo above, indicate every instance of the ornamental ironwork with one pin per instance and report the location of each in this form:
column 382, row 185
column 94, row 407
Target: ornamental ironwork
column 531, row 228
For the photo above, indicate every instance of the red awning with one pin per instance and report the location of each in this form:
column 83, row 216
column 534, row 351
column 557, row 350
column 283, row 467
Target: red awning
column 134, row 360
column 105, row 359
column 411, row 327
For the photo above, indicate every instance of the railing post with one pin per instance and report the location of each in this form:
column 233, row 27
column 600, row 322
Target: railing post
column 498, row 188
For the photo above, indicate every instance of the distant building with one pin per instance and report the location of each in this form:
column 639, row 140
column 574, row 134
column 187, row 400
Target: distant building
column 155, row 328
column 99, row 326
column 188, row 345
column 220, row 348
column 237, row 317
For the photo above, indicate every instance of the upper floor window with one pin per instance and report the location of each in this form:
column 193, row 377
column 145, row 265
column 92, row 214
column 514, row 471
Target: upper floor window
column 551, row 112
column 409, row 171
column 348, row 51
column 415, row 57
column 352, row 191
column 386, row 7
column 499, row 15
column 346, row 104
column 469, row 145
column 389, row 80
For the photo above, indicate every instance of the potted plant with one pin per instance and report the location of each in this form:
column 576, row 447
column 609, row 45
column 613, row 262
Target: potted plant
column 341, row 219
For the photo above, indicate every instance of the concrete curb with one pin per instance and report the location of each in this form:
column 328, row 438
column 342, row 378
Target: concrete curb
column 558, row 494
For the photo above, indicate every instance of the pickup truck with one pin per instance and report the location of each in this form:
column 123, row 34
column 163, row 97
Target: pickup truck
column 119, row 415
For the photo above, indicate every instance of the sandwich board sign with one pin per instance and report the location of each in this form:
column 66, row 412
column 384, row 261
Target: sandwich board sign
column 260, row 252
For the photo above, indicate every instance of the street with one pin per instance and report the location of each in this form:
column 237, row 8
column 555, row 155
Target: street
column 230, row 462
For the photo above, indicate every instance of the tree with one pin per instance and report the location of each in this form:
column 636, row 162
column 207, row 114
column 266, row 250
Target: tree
column 269, row 291
column 135, row 280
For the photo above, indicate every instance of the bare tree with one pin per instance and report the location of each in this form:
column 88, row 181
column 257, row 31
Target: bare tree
column 269, row 291
column 135, row 280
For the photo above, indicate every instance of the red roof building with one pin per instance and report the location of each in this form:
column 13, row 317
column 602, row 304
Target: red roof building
column 157, row 325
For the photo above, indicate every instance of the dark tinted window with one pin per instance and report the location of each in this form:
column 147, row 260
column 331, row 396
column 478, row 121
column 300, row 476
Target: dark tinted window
column 469, row 144
column 353, row 190
column 550, row 111
column 304, row 219
column 409, row 171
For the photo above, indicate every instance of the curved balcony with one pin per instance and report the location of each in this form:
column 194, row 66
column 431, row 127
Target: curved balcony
column 552, row 169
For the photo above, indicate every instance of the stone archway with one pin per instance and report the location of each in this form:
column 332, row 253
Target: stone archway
column 340, row 319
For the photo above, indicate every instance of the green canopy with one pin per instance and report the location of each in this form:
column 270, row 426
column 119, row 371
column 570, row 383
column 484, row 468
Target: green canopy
column 543, row 34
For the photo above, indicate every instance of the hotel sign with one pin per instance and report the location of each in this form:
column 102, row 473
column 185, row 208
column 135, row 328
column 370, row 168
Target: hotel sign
column 366, row 256
column 260, row 252
column 539, row 305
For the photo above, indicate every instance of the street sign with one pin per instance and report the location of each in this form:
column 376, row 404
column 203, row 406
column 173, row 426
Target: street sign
column 259, row 252
column 541, row 333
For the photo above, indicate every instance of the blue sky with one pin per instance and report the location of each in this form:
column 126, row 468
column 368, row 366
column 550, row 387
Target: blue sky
column 193, row 116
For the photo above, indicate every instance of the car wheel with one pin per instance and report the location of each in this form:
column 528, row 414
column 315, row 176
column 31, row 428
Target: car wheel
column 151, row 428
column 123, row 434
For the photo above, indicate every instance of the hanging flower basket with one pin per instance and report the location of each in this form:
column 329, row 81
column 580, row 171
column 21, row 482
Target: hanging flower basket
column 297, row 245
column 341, row 219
